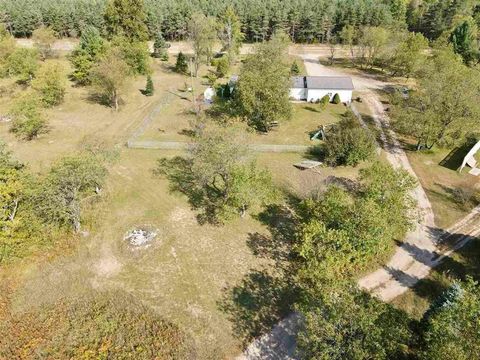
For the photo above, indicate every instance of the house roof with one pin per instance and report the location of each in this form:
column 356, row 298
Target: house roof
column 298, row 82
column 329, row 82
column 316, row 82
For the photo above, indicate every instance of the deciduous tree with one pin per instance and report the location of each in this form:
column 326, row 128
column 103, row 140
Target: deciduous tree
column 28, row 119
column 444, row 109
column 50, row 83
column 451, row 325
column 43, row 39
column 69, row 182
column 347, row 143
column 110, row 76
column 262, row 91
column 202, row 34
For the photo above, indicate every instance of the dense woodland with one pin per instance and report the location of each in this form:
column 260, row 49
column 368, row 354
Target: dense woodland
column 304, row 21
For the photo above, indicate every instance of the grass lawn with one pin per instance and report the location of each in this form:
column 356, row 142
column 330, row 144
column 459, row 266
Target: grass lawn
column 450, row 192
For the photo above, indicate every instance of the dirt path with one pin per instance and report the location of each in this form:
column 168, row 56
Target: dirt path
column 413, row 259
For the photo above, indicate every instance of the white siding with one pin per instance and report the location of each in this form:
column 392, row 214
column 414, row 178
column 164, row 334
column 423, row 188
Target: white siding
column 316, row 94
column 298, row 93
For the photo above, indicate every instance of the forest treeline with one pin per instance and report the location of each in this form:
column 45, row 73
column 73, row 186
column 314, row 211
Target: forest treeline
column 304, row 21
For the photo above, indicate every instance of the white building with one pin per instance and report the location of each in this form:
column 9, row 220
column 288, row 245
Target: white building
column 313, row 88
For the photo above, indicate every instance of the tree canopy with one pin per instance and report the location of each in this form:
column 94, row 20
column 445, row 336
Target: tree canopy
column 262, row 92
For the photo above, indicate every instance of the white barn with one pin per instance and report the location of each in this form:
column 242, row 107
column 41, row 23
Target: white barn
column 313, row 88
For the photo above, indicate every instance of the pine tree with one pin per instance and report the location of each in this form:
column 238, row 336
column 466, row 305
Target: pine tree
column 181, row 65
column 160, row 47
column 149, row 89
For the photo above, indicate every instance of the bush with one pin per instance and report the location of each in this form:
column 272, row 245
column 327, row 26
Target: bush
column 295, row 69
column 348, row 143
column 50, row 84
column 22, row 63
column 149, row 89
column 324, row 101
column 93, row 326
column 222, row 66
column 181, row 65
column 28, row 122
column 336, row 99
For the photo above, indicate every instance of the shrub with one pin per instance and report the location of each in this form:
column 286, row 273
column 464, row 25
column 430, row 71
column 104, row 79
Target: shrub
column 324, row 101
column 28, row 122
column 348, row 143
column 22, row 63
column 50, row 84
column 222, row 66
column 181, row 65
column 336, row 99
column 149, row 89
column 295, row 69
column 94, row 326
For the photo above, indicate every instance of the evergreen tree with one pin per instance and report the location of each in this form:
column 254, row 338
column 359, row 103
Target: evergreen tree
column 149, row 89
column 181, row 65
column 464, row 41
column 160, row 46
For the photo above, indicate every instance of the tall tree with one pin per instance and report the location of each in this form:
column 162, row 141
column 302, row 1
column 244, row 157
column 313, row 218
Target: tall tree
column 262, row 91
column 110, row 76
column 43, row 39
column 230, row 32
column 445, row 103
column 344, row 323
column 220, row 177
column 409, row 55
column 126, row 18
column 202, row 34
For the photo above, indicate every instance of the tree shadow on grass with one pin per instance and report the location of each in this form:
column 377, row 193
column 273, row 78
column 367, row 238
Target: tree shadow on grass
column 263, row 297
column 178, row 171
column 256, row 304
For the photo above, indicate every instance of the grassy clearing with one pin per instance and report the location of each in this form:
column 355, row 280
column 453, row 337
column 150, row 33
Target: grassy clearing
column 451, row 193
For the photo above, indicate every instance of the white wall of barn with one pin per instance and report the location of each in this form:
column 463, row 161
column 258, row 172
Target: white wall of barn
column 298, row 93
column 316, row 94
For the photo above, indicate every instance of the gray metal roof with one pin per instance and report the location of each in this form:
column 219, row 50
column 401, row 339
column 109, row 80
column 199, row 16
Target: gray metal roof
column 298, row 82
column 329, row 82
